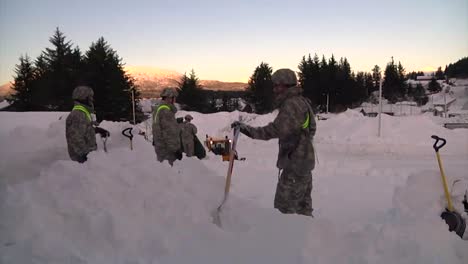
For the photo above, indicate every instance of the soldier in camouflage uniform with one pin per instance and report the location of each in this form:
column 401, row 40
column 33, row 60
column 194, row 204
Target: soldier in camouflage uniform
column 80, row 132
column 166, row 131
column 189, row 132
column 295, row 128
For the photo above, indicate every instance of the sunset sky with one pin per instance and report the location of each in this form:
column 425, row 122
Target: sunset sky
column 226, row 40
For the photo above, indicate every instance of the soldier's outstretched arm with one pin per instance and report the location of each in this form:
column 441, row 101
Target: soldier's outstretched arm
column 286, row 121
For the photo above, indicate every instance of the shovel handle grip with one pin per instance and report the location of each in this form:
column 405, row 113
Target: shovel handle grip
column 129, row 134
column 437, row 146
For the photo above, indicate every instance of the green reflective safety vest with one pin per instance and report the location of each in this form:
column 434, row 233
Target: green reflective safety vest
column 306, row 122
column 159, row 109
column 84, row 110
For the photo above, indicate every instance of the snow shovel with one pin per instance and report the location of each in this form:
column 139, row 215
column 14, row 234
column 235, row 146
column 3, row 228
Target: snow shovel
column 129, row 135
column 453, row 219
column 217, row 213
column 104, row 136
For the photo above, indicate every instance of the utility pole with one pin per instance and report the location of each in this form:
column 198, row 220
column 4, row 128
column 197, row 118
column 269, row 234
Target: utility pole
column 328, row 101
column 380, row 107
column 133, row 105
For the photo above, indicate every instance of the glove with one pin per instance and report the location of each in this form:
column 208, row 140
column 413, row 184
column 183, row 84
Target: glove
column 178, row 154
column 101, row 131
column 180, row 120
column 243, row 128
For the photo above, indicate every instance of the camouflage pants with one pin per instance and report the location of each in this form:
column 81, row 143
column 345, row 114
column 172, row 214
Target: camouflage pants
column 162, row 155
column 293, row 193
column 189, row 148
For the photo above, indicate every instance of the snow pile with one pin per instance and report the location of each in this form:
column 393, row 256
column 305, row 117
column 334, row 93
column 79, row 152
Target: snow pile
column 397, row 133
column 4, row 103
column 124, row 207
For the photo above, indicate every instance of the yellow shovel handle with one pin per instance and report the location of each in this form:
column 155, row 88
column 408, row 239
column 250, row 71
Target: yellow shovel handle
column 444, row 182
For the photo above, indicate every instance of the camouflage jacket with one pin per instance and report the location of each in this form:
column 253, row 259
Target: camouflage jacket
column 166, row 131
column 295, row 134
column 80, row 133
column 189, row 130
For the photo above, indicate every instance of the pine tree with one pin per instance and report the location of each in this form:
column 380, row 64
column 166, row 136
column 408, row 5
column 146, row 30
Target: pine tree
column 63, row 64
column 360, row 89
column 411, row 90
column 376, row 76
column 419, row 95
column 434, row 86
column 190, row 92
column 368, row 84
column 402, row 86
column 261, row 88
column 309, row 78
column 346, row 89
column 394, row 87
column 21, row 98
column 458, row 69
column 111, row 85
column 439, row 75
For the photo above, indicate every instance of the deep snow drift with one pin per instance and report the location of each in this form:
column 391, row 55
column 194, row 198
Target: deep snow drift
column 376, row 200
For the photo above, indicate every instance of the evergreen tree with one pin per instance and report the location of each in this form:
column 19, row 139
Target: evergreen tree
column 434, row 86
column 103, row 71
column 360, row 92
column 458, row 69
column 376, row 76
column 402, row 86
column 309, row 78
column 324, row 82
column 368, row 84
column 190, row 92
column 21, row 98
column 411, row 90
column 439, row 75
column 63, row 65
column 333, row 88
column 419, row 95
column 394, row 86
column 261, row 88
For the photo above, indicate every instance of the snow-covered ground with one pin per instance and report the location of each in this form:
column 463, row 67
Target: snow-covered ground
column 4, row 103
column 376, row 200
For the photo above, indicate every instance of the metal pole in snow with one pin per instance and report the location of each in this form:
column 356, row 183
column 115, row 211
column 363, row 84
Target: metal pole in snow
column 133, row 104
column 328, row 100
column 380, row 106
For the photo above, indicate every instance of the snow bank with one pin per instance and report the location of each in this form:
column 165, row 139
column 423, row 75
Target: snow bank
column 4, row 103
column 408, row 134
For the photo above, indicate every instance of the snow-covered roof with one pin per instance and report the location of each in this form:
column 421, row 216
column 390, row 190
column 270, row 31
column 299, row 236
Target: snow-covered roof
column 424, row 78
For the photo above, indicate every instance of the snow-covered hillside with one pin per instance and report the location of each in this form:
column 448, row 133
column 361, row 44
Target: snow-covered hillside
column 376, row 200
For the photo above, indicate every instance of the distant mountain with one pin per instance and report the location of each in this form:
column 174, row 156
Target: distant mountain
column 5, row 89
column 151, row 81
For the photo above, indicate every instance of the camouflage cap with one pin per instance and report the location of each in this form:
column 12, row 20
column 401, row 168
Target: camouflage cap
column 188, row 117
column 285, row 77
column 169, row 92
column 82, row 93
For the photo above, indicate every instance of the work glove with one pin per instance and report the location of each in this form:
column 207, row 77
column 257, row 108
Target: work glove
column 178, row 154
column 243, row 128
column 101, row 131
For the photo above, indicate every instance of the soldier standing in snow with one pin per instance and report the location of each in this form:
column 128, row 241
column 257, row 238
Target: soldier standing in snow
column 189, row 132
column 166, row 131
column 295, row 128
column 79, row 130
